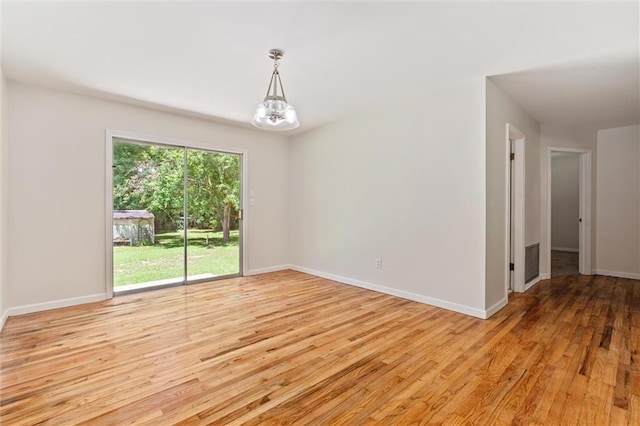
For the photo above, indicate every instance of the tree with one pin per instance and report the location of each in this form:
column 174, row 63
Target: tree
column 214, row 189
column 147, row 177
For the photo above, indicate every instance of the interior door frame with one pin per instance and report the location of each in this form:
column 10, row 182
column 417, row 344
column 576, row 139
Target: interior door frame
column 517, row 138
column 584, row 203
column 111, row 134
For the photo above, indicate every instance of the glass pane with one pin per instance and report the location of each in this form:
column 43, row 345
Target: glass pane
column 213, row 237
column 148, row 206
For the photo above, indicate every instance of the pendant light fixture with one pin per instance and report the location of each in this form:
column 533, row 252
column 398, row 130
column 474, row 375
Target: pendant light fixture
column 274, row 113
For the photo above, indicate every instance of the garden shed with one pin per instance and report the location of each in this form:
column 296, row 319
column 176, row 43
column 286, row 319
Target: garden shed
column 133, row 227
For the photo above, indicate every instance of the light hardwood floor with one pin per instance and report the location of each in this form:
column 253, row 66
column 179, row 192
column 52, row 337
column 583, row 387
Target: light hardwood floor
column 289, row 348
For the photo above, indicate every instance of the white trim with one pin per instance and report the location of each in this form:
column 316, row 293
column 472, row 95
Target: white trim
column 585, row 213
column 519, row 208
column 507, row 216
column 108, row 216
column 467, row 310
column 133, row 136
column 533, row 282
column 630, row 275
column 268, row 269
column 545, row 277
column 244, row 205
column 570, row 250
column 139, row 137
column 55, row 304
column 3, row 319
column 495, row 308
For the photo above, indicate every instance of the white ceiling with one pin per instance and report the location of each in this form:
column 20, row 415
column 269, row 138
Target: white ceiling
column 591, row 95
column 571, row 63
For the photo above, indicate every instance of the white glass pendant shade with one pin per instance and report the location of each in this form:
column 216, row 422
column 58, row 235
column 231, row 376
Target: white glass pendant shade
column 275, row 113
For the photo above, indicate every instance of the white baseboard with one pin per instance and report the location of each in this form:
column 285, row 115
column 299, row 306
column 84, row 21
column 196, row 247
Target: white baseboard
column 496, row 307
column 544, row 277
column 533, row 282
column 571, row 250
column 5, row 315
column 467, row 310
column 267, row 270
column 62, row 303
column 631, row 275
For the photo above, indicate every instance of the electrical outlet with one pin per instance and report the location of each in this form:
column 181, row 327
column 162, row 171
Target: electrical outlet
column 378, row 263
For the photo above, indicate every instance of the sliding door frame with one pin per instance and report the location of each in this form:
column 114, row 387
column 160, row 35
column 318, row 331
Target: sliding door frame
column 169, row 143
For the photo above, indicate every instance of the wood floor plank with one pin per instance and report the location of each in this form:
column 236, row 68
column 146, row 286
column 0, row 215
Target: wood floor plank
column 291, row 348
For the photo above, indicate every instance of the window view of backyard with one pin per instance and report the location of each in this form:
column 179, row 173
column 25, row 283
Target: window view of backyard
column 149, row 214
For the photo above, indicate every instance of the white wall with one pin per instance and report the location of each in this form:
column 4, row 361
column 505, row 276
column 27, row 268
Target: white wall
column 4, row 198
column 565, row 207
column 551, row 136
column 618, row 224
column 405, row 185
column 57, row 196
column 4, row 185
column 4, row 206
column 501, row 109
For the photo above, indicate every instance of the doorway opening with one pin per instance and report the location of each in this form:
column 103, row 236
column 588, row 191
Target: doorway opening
column 565, row 213
column 569, row 211
column 176, row 215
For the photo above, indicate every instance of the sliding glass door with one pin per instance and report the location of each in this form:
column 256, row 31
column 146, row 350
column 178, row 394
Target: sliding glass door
column 176, row 215
column 213, row 205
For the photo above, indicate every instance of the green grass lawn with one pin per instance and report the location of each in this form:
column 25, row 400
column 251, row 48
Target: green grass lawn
column 206, row 253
